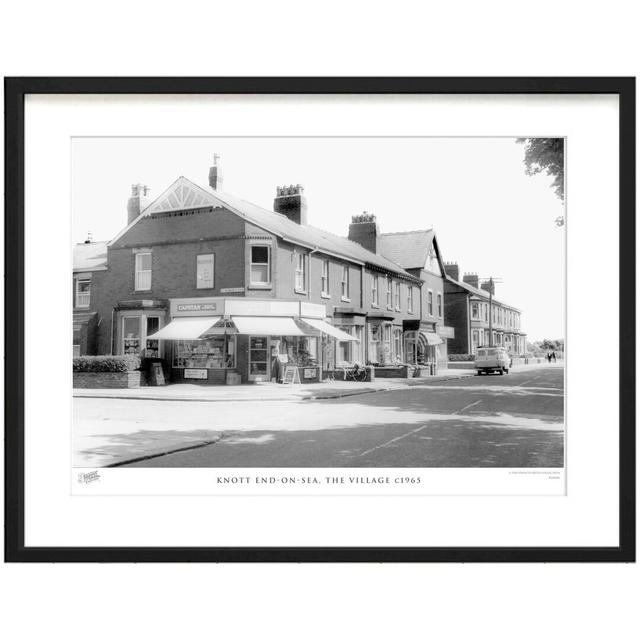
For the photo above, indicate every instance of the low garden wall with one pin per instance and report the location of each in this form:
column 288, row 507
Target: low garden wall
column 108, row 372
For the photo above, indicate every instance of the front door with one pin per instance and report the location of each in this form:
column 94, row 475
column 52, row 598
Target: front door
column 259, row 365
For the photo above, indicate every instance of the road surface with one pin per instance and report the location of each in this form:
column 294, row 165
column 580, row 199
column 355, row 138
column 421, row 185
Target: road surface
column 486, row 421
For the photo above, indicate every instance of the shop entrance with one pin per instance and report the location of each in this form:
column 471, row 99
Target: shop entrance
column 259, row 365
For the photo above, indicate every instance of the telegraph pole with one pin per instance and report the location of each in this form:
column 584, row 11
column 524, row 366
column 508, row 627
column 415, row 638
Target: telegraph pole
column 491, row 311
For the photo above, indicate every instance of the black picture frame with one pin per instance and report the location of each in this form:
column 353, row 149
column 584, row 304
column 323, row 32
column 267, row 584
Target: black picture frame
column 15, row 91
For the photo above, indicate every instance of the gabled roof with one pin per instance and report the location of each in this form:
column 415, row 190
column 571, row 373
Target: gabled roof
column 90, row 256
column 480, row 293
column 407, row 248
column 183, row 191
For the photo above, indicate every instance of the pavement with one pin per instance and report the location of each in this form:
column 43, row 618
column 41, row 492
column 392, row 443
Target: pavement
column 277, row 392
column 473, row 421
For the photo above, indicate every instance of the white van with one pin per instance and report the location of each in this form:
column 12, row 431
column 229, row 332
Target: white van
column 489, row 359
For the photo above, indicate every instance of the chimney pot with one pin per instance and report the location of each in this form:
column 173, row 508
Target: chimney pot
column 137, row 202
column 291, row 202
column 215, row 174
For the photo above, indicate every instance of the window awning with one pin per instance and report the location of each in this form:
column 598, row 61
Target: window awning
column 432, row 339
column 266, row 326
column 325, row 327
column 185, row 328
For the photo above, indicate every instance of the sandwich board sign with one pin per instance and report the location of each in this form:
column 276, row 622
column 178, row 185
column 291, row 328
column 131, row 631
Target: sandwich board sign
column 291, row 376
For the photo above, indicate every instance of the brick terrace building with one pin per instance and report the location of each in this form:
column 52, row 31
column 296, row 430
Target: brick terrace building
column 479, row 319
column 213, row 285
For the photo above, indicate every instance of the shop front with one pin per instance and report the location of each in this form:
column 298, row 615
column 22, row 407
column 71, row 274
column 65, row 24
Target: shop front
column 232, row 340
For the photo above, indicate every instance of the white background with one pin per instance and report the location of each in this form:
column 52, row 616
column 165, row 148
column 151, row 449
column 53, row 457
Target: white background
column 544, row 38
column 587, row 516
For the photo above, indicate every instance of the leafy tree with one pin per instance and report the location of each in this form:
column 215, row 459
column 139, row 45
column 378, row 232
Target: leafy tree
column 545, row 155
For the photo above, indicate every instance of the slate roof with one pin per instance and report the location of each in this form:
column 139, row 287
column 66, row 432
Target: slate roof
column 90, row 256
column 481, row 293
column 276, row 223
column 406, row 248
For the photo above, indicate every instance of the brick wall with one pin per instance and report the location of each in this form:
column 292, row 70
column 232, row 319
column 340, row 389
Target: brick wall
column 456, row 315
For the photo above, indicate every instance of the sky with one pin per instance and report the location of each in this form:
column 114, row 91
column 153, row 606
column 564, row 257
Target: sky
column 488, row 215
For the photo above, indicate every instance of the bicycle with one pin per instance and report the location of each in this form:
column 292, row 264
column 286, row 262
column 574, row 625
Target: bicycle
column 357, row 373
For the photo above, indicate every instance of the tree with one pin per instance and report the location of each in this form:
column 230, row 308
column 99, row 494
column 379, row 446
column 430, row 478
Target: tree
column 545, row 155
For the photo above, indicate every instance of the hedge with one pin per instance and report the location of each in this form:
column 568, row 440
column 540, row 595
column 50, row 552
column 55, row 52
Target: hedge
column 461, row 357
column 108, row 364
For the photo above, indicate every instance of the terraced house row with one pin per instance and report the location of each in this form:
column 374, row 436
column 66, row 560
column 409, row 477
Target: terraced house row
column 220, row 290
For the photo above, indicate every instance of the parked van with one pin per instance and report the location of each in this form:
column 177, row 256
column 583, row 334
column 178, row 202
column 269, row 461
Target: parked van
column 490, row 359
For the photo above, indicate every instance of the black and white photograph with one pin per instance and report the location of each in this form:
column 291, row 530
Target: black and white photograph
column 318, row 302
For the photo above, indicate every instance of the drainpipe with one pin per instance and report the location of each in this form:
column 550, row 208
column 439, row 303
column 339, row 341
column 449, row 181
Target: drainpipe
column 113, row 311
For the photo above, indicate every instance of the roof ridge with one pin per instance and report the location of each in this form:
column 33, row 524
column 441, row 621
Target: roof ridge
column 397, row 233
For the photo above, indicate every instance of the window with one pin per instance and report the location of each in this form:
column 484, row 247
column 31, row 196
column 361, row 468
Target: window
column 83, row 292
column 131, row 335
column 397, row 345
column 214, row 352
column 325, row 277
column 300, row 271
column 439, row 304
column 152, row 347
column 204, row 271
column 389, row 293
column 345, row 283
column 375, row 301
column 474, row 310
column 350, row 352
column 430, row 302
column 397, row 296
column 410, row 299
column 143, row 271
column 260, row 272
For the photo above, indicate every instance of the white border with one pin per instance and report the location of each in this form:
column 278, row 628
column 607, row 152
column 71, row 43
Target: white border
column 588, row 515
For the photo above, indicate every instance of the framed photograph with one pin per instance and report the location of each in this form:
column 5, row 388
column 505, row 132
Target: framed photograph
column 320, row 319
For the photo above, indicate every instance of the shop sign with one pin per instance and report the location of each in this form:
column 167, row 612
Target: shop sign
column 446, row 332
column 197, row 306
column 310, row 373
column 198, row 374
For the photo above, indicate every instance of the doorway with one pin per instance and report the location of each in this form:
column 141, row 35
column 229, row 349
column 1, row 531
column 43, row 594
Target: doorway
column 259, row 365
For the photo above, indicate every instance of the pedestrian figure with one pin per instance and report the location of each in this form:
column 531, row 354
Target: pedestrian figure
column 549, row 357
column 553, row 356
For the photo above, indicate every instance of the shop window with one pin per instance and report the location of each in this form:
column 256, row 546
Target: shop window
column 439, row 304
column 214, row 352
column 397, row 297
column 260, row 270
column 300, row 271
column 325, row 277
column 83, row 292
column 345, row 283
column 375, row 300
column 131, row 335
column 430, row 302
column 152, row 347
column 350, row 352
column 143, row 271
column 204, row 271
column 410, row 299
column 301, row 351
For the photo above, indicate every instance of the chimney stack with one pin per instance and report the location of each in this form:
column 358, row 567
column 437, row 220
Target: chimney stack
column 489, row 286
column 452, row 270
column 137, row 202
column 215, row 174
column 364, row 230
column 472, row 279
column 290, row 201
